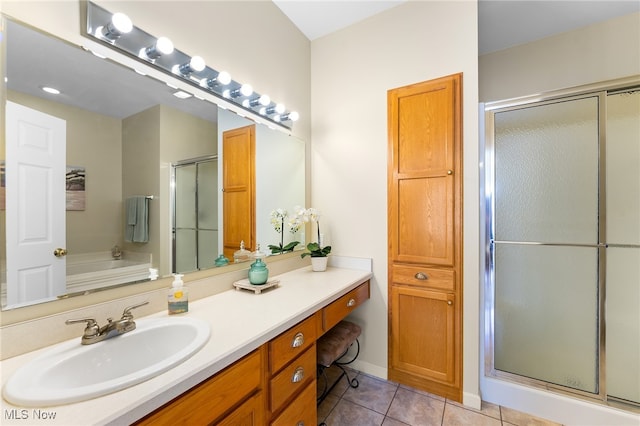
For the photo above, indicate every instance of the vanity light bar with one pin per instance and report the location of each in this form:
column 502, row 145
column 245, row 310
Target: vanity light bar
column 161, row 54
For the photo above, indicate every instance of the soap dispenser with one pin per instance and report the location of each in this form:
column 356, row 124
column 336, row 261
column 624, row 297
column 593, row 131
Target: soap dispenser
column 258, row 272
column 178, row 296
column 241, row 255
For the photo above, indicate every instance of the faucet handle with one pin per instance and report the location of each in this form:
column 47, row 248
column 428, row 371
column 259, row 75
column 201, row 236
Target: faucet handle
column 127, row 315
column 90, row 330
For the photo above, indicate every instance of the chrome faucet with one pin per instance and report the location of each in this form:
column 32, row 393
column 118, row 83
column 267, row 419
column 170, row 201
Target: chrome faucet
column 94, row 333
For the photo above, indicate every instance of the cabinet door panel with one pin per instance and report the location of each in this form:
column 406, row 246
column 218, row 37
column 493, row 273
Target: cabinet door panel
column 250, row 413
column 425, row 221
column 422, row 329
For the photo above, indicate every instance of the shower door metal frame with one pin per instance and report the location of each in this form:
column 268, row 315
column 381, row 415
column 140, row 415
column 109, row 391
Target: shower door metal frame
column 601, row 91
column 192, row 161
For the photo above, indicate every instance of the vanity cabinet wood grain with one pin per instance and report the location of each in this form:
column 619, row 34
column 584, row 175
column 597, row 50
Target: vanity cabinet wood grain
column 337, row 310
column 234, row 393
column 425, row 235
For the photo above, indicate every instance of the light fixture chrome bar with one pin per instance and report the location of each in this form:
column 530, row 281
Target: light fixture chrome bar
column 161, row 54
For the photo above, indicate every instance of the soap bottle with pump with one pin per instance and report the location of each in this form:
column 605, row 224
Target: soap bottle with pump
column 178, row 296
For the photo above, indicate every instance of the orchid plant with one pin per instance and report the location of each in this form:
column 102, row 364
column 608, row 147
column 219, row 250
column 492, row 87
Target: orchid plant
column 278, row 217
column 314, row 249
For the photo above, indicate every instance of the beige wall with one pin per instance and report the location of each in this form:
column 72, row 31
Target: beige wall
column 592, row 54
column 94, row 142
column 352, row 71
column 140, row 174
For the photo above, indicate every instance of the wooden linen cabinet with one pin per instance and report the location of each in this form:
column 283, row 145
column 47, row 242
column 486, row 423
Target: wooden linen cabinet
column 425, row 236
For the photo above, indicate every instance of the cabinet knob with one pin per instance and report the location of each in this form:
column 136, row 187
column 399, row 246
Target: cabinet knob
column 421, row 276
column 298, row 340
column 449, row 302
column 298, row 375
column 449, row 172
column 300, row 423
column 351, row 302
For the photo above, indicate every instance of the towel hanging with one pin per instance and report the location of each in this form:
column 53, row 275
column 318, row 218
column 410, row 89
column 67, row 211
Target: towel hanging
column 137, row 214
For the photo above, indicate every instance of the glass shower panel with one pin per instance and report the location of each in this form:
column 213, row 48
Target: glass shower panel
column 185, row 219
column 545, row 235
column 623, row 253
column 185, row 250
column 546, row 173
column 185, row 196
column 623, row 323
column 623, row 168
column 546, row 314
column 207, row 214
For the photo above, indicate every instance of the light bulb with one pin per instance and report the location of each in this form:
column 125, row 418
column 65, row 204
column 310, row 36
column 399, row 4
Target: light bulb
column 246, row 90
column 196, row 64
column 119, row 24
column 264, row 100
column 224, row 78
column 162, row 46
column 294, row 116
column 122, row 22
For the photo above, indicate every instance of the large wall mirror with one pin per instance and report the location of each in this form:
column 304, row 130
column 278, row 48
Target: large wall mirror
column 132, row 201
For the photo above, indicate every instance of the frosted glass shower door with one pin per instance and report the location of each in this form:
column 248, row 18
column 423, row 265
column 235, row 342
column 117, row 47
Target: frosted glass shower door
column 185, row 219
column 195, row 215
column 545, row 243
column 623, row 252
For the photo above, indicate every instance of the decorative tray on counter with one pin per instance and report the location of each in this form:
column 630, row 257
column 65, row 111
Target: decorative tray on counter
column 256, row 288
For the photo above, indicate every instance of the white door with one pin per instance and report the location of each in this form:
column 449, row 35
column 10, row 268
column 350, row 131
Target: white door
column 35, row 203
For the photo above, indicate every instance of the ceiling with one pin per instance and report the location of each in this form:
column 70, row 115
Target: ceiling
column 501, row 23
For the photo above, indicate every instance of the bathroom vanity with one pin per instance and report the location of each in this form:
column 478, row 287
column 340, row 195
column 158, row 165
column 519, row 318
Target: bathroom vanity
column 258, row 367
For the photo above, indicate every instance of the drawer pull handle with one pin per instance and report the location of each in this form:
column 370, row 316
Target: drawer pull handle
column 351, row 302
column 298, row 340
column 300, row 423
column 421, row 276
column 298, row 375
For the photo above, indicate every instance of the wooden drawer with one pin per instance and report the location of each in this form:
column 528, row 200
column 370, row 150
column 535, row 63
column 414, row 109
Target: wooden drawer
column 337, row 310
column 302, row 411
column 212, row 398
column 423, row 277
column 293, row 378
column 292, row 342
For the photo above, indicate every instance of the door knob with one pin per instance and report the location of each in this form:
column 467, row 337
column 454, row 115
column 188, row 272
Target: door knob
column 60, row 252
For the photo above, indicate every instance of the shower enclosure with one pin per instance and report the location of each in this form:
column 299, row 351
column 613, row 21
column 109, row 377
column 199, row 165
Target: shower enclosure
column 562, row 294
column 195, row 214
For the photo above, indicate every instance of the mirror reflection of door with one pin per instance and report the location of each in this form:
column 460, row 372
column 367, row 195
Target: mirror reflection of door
column 239, row 189
column 35, row 204
column 195, row 217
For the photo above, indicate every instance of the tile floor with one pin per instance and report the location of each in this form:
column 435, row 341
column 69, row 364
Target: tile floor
column 379, row 402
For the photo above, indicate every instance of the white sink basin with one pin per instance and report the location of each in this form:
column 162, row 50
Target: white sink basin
column 71, row 372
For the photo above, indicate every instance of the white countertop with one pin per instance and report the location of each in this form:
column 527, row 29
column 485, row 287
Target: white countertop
column 241, row 321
